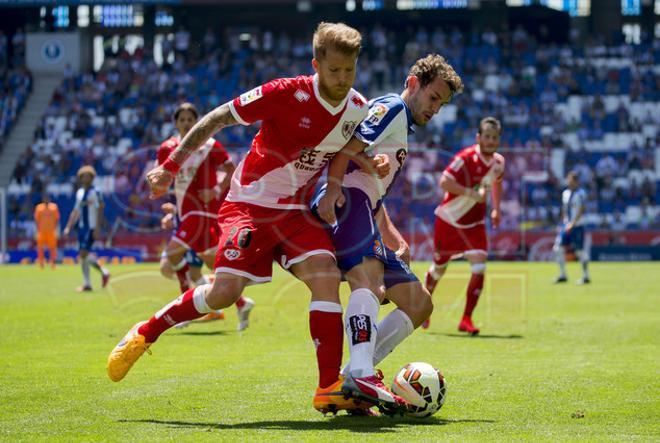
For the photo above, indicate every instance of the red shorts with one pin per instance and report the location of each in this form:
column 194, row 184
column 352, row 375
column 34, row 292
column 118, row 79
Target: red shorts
column 450, row 240
column 199, row 233
column 253, row 237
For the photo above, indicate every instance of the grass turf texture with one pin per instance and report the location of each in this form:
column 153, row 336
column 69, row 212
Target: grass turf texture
column 552, row 363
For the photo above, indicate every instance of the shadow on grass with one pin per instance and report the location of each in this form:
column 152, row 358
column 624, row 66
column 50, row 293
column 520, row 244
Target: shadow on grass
column 200, row 333
column 355, row 424
column 486, row 336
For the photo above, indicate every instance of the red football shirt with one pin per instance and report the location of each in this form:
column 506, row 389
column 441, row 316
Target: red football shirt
column 470, row 169
column 300, row 132
column 198, row 172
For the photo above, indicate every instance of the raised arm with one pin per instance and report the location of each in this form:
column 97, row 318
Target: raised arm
column 161, row 177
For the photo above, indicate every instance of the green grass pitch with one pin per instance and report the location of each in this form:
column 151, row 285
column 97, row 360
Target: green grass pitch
column 552, row 363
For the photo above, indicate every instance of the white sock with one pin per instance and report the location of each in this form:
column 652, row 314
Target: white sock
column 560, row 253
column 360, row 322
column 392, row 330
column 85, row 270
column 202, row 281
column 584, row 259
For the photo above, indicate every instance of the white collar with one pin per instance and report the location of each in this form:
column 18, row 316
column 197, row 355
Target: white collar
column 334, row 110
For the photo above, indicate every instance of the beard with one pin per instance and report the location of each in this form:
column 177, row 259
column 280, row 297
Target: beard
column 337, row 93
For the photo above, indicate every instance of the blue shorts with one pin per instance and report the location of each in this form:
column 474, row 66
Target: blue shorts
column 574, row 238
column 356, row 236
column 85, row 239
column 193, row 259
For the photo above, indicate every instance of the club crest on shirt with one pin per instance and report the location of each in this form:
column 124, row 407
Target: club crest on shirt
column 347, row 129
column 250, row 96
column 377, row 112
column 401, row 155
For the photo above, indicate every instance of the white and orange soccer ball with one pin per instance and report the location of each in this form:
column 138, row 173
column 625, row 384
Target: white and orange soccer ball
column 423, row 386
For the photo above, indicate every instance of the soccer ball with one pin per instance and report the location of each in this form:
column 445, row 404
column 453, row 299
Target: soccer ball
column 422, row 386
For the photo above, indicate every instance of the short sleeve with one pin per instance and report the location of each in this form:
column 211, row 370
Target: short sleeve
column 79, row 197
column 378, row 123
column 164, row 151
column 260, row 103
column 456, row 168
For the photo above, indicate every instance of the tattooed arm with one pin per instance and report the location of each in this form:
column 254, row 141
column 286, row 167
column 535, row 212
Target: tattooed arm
column 161, row 177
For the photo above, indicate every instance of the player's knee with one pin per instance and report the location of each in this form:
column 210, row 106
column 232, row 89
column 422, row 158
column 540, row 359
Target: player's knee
column 223, row 293
column 438, row 270
column 478, row 268
column 425, row 304
column 319, row 271
column 166, row 269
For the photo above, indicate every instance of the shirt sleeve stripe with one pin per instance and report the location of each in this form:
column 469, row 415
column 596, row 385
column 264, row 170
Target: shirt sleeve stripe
column 235, row 114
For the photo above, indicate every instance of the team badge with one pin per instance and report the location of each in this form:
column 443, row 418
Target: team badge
column 250, row 96
column 232, row 254
column 401, row 155
column 378, row 247
column 348, row 128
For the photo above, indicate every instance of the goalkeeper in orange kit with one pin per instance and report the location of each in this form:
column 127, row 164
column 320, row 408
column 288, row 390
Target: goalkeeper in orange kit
column 47, row 218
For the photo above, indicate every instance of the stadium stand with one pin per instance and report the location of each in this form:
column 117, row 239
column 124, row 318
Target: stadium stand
column 583, row 106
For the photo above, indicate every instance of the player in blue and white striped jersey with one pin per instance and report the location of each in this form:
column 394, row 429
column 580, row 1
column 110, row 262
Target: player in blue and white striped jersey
column 571, row 231
column 87, row 215
column 370, row 251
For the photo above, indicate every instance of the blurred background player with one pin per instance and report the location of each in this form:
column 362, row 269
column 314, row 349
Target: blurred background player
column 571, row 231
column 371, row 252
column 305, row 120
column 170, row 222
column 47, row 218
column 198, row 195
column 87, row 215
column 460, row 227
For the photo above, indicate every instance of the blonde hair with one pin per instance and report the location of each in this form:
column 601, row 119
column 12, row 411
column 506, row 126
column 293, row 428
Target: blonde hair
column 87, row 169
column 338, row 36
column 433, row 65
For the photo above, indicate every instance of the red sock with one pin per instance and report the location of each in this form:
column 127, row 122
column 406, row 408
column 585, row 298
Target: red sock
column 473, row 292
column 182, row 275
column 240, row 302
column 327, row 331
column 181, row 309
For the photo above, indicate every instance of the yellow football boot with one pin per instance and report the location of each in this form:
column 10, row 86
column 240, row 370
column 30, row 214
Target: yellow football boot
column 332, row 399
column 126, row 353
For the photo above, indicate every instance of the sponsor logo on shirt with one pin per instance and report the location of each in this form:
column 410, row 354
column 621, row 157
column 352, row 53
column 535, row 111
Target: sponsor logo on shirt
column 377, row 112
column 457, row 164
column 301, row 96
column 347, row 129
column 232, row 254
column 305, row 123
column 250, row 96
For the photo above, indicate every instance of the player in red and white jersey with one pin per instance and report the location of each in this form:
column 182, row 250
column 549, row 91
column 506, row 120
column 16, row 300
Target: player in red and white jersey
column 460, row 227
column 198, row 195
column 265, row 217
